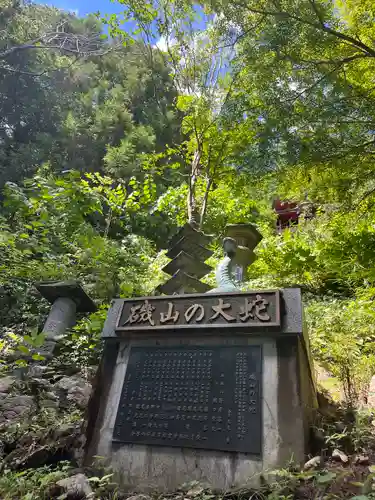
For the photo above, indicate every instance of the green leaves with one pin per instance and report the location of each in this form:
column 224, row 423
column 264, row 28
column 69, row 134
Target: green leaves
column 24, row 349
column 326, row 478
column 36, row 339
column 84, row 234
column 342, row 341
column 38, row 357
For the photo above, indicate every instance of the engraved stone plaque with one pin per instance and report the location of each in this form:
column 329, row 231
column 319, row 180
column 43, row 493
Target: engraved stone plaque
column 236, row 311
column 192, row 396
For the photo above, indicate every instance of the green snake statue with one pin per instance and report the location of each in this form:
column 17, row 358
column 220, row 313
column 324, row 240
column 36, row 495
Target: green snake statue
column 223, row 274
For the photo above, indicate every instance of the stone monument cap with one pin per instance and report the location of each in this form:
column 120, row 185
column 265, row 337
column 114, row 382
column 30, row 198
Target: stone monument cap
column 53, row 290
column 245, row 234
column 182, row 280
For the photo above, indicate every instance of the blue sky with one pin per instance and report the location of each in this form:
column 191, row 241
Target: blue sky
column 83, row 7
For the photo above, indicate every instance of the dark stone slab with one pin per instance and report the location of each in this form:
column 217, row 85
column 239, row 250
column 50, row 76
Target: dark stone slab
column 195, row 397
column 189, row 246
column 181, row 280
column 188, row 232
column 187, row 263
column 52, row 290
column 238, row 311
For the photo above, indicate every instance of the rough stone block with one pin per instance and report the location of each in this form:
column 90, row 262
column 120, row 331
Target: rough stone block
column 76, row 388
column 6, row 383
column 76, row 486
column 15, row 407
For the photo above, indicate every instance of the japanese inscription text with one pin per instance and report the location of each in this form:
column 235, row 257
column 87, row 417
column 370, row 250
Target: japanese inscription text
column 198, row 397
column 204, row 310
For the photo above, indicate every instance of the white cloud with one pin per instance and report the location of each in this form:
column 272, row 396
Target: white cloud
column 164, row 42
column 161, row 44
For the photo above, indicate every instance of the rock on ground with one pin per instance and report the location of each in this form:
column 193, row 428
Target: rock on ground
column 34, row 451
column 313, row 463
column 77, row 390
column 76, row 486
column 6, row 383
column 14, row 407
column 340, row 456
column 139, row 497
column 362, row 460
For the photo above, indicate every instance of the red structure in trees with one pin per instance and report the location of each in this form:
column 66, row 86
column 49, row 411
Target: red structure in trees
column 287, row 212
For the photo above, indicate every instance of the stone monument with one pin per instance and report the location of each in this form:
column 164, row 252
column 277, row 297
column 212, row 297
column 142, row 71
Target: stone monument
column 215, row 387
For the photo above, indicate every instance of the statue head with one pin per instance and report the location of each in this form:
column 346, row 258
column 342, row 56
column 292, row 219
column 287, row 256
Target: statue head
column 229, row 246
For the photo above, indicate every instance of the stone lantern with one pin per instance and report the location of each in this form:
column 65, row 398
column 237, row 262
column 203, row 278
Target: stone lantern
column 247, row 238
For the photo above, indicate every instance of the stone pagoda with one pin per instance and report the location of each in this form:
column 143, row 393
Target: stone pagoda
column 188, row 251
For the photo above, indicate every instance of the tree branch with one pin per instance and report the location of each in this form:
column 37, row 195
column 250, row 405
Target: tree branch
column 316, row 10
column 243, row 34
column 352, row 150
column 320, row 25
column 366, row 195
column 205, row 201
column 345, row 60
column 308, row 90
column 45, row 72
column 70, row 43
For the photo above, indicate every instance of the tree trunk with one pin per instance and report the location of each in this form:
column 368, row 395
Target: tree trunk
column 204, row 203
column 193, row 212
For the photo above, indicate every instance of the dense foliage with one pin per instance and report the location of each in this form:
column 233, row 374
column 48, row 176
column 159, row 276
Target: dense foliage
column 204, row 113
